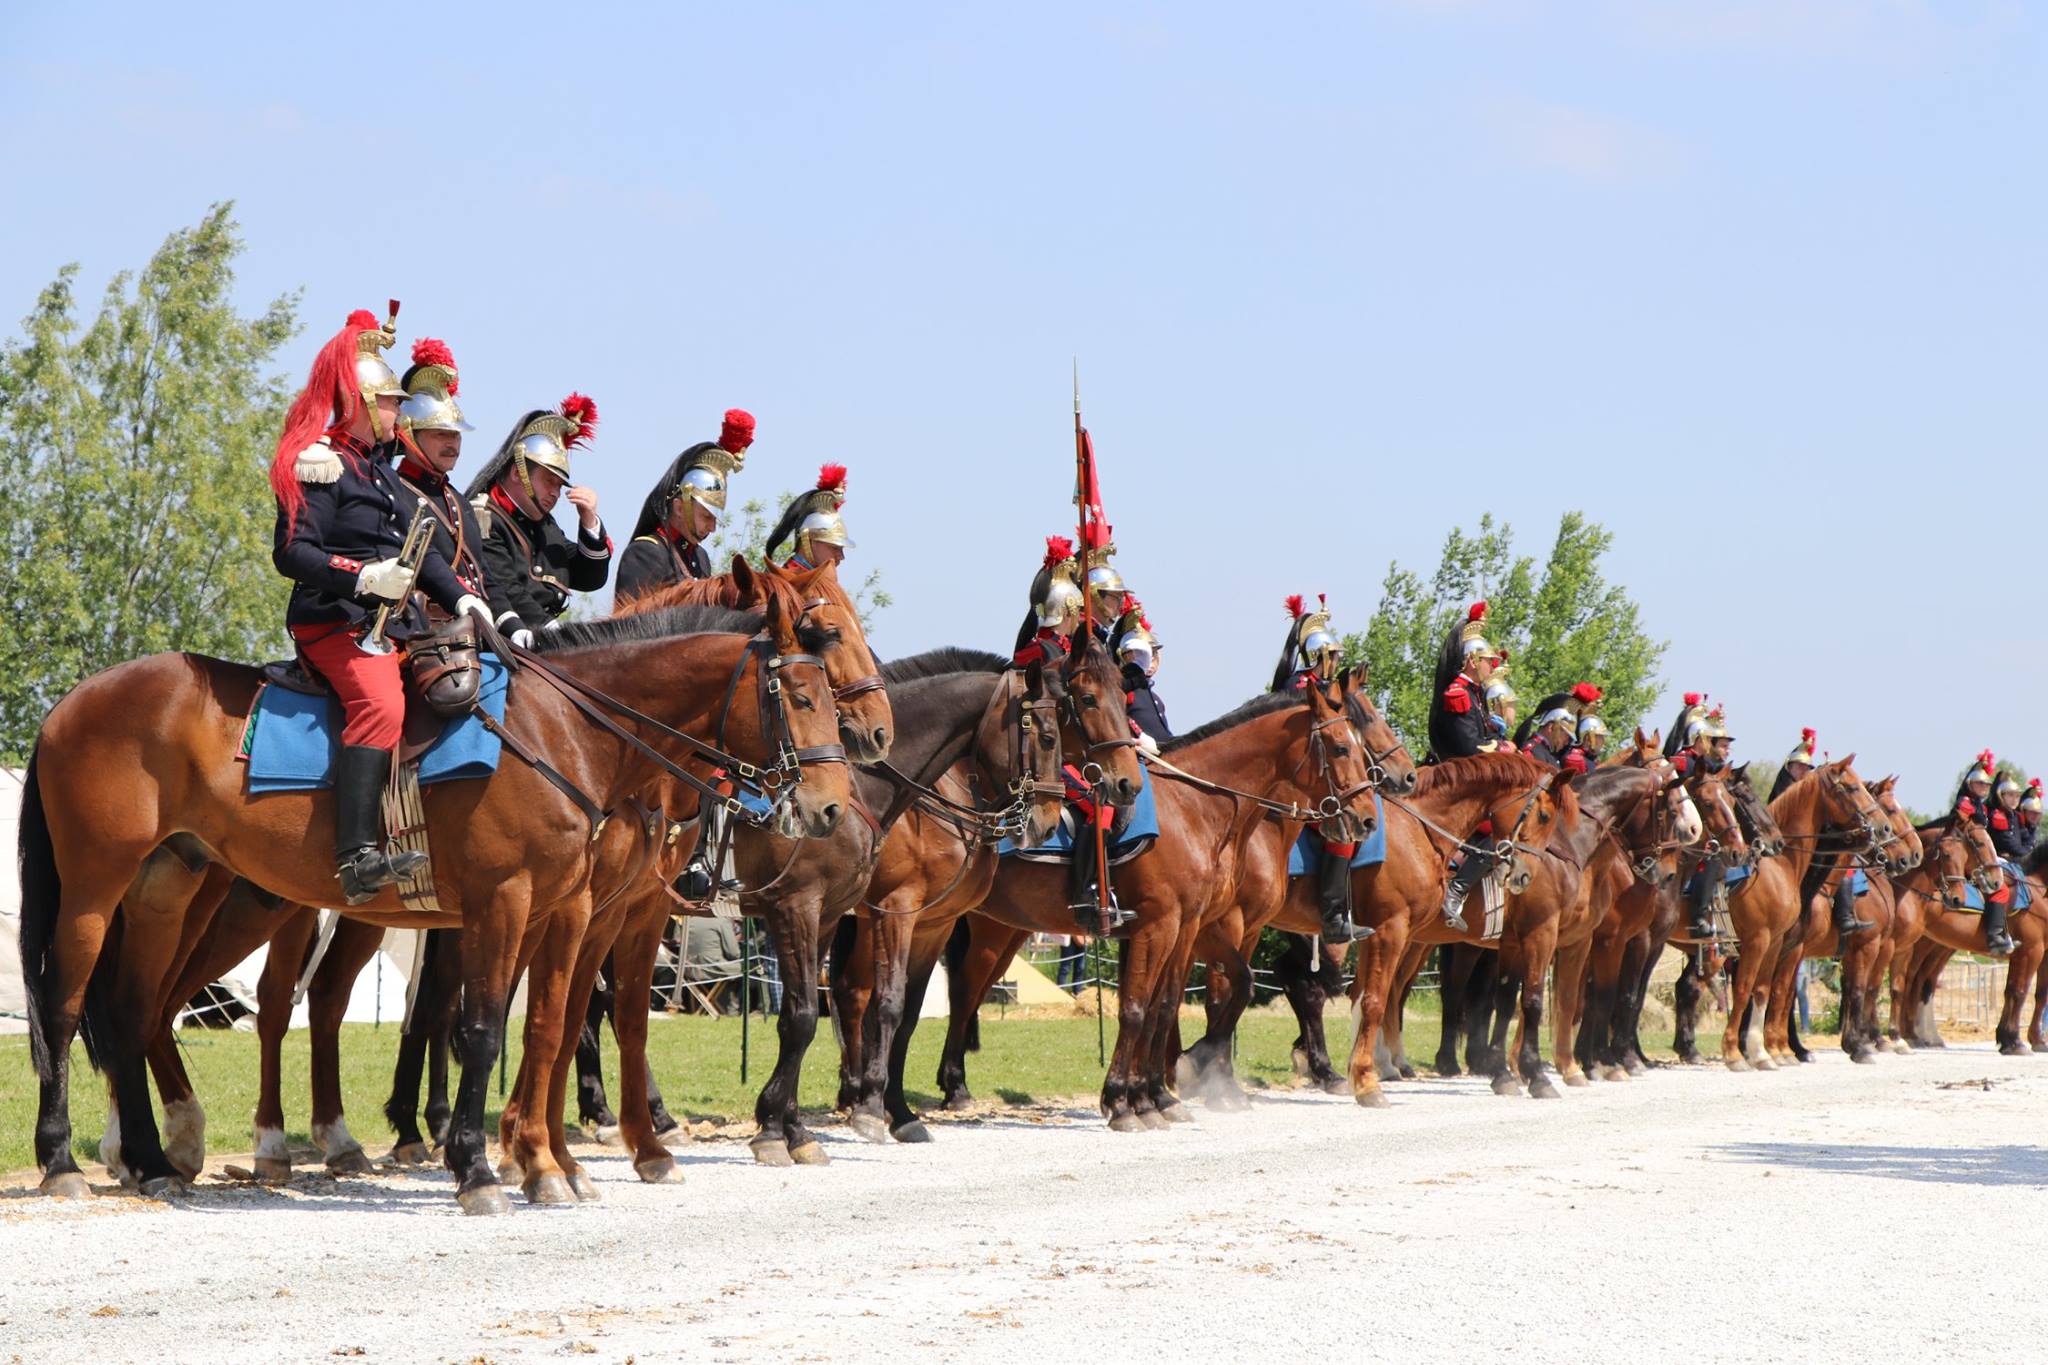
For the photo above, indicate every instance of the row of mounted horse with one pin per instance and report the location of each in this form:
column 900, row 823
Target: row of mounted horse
column 880, row 795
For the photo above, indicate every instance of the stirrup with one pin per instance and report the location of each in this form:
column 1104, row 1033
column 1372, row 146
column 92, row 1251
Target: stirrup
column 1345, row 929
column 366, row 871
column 695, row 883
column 1454, row 913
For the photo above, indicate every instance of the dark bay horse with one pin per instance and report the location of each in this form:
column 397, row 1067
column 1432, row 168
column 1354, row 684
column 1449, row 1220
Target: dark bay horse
column 143, row 754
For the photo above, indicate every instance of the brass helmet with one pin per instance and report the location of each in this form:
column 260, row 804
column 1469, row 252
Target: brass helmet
column 1472, row 634
column 1316, row 643
column 1056, row 591
column 1499, row 692
column 430, row 387
column 374, row 378
column 1714, row 725
column 1983, row 770
column 812, row 518
column 1097, row 574
column 1135, row 642
column 1806, row 750
column 1592, row 733
column 2032, row 800
column 1557, row 715
column 2006, row 783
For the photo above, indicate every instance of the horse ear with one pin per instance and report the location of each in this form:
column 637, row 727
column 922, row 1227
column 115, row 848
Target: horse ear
column 1846, row 764
column 744, row 581
column 778, row 625
column 1641, row 742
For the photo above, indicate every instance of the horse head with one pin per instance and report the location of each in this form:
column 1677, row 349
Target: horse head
column 1344, row 768
column 1906, row 851
column 1758, row 824
column 866, row 724
column 1095, row 727
column 799, row 704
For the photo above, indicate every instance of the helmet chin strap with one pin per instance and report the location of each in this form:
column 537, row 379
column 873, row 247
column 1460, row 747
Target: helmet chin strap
column 376, row 426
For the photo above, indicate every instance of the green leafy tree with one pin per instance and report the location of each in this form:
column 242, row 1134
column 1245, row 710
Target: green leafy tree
column 1561, row 622
column 133, row 491
column 747, row 534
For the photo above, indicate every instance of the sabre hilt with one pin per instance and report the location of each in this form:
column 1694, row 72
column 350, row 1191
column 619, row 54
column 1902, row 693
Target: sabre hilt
column 411, row 555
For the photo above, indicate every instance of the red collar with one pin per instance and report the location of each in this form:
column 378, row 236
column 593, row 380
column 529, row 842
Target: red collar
column 499, row 496
column 345, row 444
column 412, row 469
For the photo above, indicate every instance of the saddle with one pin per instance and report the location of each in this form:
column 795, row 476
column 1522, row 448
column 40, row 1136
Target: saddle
column 442, row 674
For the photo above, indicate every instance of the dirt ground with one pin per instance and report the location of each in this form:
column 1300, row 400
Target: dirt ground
column 1693, row 1212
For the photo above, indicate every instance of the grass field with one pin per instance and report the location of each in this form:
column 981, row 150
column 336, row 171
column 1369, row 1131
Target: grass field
column 1024, row 1057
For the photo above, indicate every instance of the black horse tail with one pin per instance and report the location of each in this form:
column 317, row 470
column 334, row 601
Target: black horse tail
column 42, row 897
column 956, row 960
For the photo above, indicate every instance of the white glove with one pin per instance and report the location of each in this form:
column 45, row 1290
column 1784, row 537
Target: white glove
column 386, row 579
column 523, row 638
column 1148, row 744
column 553, row 625
column 470, row 604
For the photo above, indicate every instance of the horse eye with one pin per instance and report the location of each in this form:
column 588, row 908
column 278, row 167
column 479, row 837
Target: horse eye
column 804, row 701
column 1343, row 751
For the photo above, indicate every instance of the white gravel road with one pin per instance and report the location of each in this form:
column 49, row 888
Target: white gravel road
column 1693, row 1214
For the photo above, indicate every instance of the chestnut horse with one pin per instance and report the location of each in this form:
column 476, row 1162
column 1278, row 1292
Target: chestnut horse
column 248, row 918
column 1948, row 926
column 144, row 753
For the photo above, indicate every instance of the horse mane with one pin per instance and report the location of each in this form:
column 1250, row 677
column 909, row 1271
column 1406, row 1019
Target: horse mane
column 2036, row 859
column 1804, row 791
column 946, row 659
column 665, row 623
column 1450, row 779
column 1264, row 704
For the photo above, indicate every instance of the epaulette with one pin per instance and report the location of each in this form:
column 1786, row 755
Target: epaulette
column 318, row 463
column 481, row 505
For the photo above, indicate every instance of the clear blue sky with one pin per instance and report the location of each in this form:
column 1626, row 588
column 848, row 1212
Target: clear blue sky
column 1757, row 284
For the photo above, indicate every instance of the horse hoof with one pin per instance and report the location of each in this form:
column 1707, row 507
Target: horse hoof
column 958, row 1102
column 658, row 1170
column 607, row 1133
column 548, row 1188
column 1504, row 1084
column 584, row 1187
column 1153, row 1121
column 1185, row 1076
column 1613, row 1073
column 1576, row 1079
column 411, row 1154
column 2039, row 1047
column 164, row 1187
column 1300, row 1059
column 1126, row 1123
column 1736, row 1064
column 810, row 1153
column 913, row 1131
column 1372, row 1099
column 1634, row 1067
column 1337, row 1085
column 769, row 1151
column 1542, row 1089
column 868, row 1128
column 1176, row 1113
column 1765, row 1064
column 510, row 1172
column 66, row 1185
column 351, row 1162
column 1406, row 1071
column 1863, row 1057
column 2013, row 1050
column 273, row 1170
column 484, row 1200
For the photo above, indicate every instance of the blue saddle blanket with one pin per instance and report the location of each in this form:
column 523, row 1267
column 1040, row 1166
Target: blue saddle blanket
column 294, row 736
column 1372, row 849
column 1973, row 899
column 1859, row 882
column 1139, row 832
column 1732, row 876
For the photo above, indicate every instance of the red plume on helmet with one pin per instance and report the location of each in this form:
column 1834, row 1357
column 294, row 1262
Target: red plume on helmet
column 1585, row 693
column 1058, row 549
column 329, row 399
column 583, row 412
column 832, row 478
column 1296, row 607
column 1476, row 612
column 1806, row 733
column 737, row 431
column 433, row 351
column 1695, row 698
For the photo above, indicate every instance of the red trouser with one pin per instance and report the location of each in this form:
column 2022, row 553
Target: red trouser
column 372, row 695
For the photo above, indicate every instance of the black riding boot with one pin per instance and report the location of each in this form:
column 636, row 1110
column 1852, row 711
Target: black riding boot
column 1469, row 874
column 698, row 881
column 1997, row 942
column 1333, row 894
column 1704, row 885
column 365, row 868
column 1081, row 896
column 1846, row 922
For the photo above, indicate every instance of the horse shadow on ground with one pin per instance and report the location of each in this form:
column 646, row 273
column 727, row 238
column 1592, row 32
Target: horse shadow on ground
column 1933, row 1165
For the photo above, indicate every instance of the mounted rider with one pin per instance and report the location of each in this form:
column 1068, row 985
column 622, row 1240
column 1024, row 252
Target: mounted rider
column 682, row 510
column 339, row 532
column 526, row 555
column 1552, row 735
column 1698, row 746
column 430, row 427
column 1137, row 654
column 1461, row 724
column 1592, row 740
column 1973, row 794
column 1310, row 658
column 1802, row 760
column 812, row 524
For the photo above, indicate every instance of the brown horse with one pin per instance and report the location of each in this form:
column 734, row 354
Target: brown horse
column 143, row 754
column 248, row 918
column 1863, row 953
column 1829, row 811
column 1948, row 926
column 1283, row 753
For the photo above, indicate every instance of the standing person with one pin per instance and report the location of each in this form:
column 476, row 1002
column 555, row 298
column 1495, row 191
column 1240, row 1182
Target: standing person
column 1310, row 658
column 337, row 538
column 526, row 555
column 682, row 510
column 430, row 428
column 811, row 524
column 1460, row 726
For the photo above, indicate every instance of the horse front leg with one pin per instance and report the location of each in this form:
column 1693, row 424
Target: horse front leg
column 1125, row 1100
column 1528, row 975
column 1378, row 957
column 782, row 1140
column 1209, row 1067
column 876, row 1002
column 524, row 1127
column 490, row 952
column 352, row 948
column 1570, row 978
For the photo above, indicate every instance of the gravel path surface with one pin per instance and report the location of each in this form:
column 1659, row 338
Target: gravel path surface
column 1833, row 1210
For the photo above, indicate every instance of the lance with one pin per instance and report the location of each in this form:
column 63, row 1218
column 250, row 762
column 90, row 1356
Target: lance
column 1083, row 482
